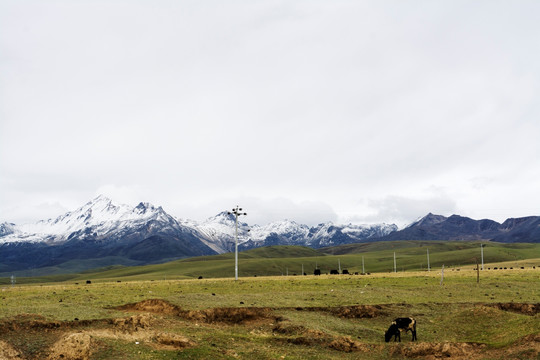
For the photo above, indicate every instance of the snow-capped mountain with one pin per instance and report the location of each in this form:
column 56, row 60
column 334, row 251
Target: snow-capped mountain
column 329, row 234
column 218, row 232
column 98, row 218
column 143, row 234
column 97, row 230
column 103, row 233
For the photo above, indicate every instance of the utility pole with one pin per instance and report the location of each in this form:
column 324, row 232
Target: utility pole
column 442, row 274
column 428, row 267
column 237, row 212
column 477, row 271
column 339, row 266
column 363, row 272
column 482, row 252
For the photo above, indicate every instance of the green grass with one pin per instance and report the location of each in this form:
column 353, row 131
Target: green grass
column 94, row 300
column 452, row 312
column 289, row 260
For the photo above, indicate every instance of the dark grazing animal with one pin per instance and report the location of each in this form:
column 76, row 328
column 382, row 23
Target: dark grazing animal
column 399, row 325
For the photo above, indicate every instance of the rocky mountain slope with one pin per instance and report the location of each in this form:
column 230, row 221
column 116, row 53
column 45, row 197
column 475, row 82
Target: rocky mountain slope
column 455, row 227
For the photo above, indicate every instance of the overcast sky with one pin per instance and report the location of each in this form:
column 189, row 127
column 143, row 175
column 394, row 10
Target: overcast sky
column 314, row 111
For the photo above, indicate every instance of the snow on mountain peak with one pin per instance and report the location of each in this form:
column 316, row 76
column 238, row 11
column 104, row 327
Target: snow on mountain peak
column 101, row 217
column 429, row 219
column 99, row 212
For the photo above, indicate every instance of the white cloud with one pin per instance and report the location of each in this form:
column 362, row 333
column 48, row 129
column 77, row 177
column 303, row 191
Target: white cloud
column 260, row 210
column 402, row 211
column 334, row 107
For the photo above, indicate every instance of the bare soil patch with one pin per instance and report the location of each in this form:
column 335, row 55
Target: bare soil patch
column 156, row 306
column 358, row 311
column 77, row 340
column 227, row 315
column 528, row 347
column 230, row 315
column 521, row 308
column 34, row 322
column 346, row 344
column 74, row 346
column 349, row 312
column 7, row 352
column 132, row 323
column 309, row 337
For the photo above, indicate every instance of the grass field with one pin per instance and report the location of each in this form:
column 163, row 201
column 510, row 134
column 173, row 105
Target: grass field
column 284, row 317
column 164, row 311
column 289, row 260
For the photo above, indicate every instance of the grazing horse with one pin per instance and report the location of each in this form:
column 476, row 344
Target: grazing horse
column 399, row 325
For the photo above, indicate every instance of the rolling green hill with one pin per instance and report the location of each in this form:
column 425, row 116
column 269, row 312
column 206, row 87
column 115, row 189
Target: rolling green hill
column 290, row 260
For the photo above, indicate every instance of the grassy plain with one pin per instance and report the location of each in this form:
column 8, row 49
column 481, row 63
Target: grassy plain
column 164, row 311
column 289, row 260
column 296, row 317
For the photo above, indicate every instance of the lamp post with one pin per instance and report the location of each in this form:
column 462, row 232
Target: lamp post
column 237, row 212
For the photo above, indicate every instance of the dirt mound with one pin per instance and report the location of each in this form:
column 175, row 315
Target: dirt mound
column 357, row 311
column 156, row 306
column 439, row 350
column 33, row 322
column 7, row 352
column 521, row 308
column 215, row 315
column 528, row 347
column 350, row 312
column 138, row 328
column 29, row 323
column 346, row 344
column 132, row 324
column 76, row 346
column 533, row 338
column 229, row 315
column 340, row 343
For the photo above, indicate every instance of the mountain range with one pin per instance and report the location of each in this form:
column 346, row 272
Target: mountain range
column 455, row 227
column 101, row 233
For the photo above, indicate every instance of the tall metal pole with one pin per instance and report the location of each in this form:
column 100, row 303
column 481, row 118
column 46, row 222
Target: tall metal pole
column 237, row 212
column 363, row 272
column 442, row 274
column 482, row 252
column 236, row 247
